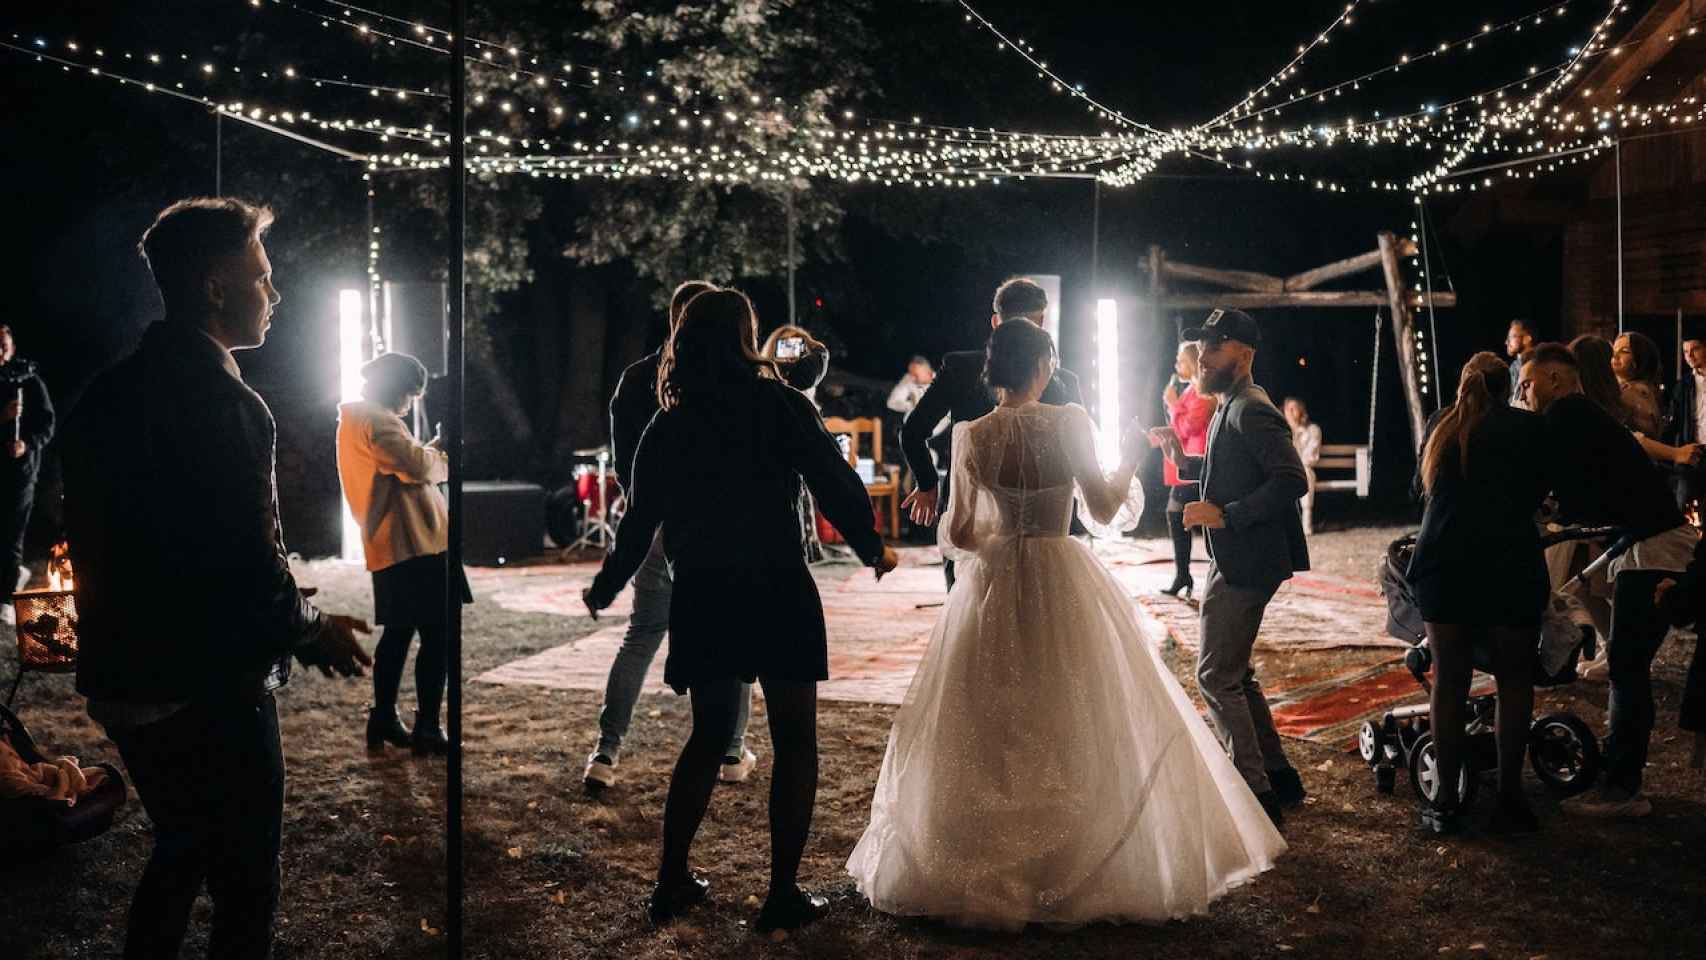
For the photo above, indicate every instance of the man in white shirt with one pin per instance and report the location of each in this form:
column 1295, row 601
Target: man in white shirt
column 911, row 387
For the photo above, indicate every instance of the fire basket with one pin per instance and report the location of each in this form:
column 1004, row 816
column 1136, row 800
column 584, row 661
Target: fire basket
column 47, row 624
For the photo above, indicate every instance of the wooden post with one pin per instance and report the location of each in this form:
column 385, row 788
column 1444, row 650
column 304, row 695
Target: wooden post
column 1403, row 335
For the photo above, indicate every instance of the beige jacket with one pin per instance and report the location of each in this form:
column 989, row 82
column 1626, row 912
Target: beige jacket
column 390, row 481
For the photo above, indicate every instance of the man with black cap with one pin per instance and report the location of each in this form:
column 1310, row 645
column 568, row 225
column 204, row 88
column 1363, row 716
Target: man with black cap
column 1251, row 481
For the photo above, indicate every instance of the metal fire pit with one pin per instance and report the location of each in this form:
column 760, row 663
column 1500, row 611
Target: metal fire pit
column 47, row 630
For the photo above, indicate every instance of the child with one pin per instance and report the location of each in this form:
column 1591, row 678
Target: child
column 1306, row 437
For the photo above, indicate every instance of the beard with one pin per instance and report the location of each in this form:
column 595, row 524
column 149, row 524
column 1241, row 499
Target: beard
column 1218, row 379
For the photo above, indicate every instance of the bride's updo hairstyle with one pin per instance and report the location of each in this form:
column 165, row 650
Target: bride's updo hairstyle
column 1015, row 349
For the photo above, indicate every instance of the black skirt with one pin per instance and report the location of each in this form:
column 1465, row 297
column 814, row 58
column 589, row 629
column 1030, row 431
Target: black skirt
column 411, row 593
column 746, row 624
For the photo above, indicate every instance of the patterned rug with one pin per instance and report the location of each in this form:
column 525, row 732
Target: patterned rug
column 878, row 632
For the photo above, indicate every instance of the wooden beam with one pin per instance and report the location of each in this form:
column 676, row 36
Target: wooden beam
column 1236, row 279
column 1294, row 298
column 1310, row 279
column 1404, row 337
column 1613, row 77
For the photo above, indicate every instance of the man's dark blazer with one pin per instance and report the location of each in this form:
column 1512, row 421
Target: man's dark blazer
column 1682, row 429
column 959, row 393
column 1252, row 472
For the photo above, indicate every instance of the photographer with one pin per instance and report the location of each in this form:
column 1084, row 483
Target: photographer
column 26, row 415
column 803, row 360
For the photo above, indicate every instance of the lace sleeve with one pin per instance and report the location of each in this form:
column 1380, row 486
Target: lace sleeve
column 957, row 531
column 1098, row 494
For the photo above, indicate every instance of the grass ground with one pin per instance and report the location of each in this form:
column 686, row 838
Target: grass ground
column 555, row 872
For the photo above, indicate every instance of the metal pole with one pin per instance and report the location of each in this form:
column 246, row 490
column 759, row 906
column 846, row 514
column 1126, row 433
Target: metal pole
column 1096, row 240
column 218, row 153
column 453, row 446
column 1619, row 165
column 793, row 313
column 1433, row 327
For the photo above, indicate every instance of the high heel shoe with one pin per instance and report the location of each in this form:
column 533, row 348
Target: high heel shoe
column 1182, row 587
column 383, row 726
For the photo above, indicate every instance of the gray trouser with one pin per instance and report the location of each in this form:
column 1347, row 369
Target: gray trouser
column 650, row 621
column 1229, row 619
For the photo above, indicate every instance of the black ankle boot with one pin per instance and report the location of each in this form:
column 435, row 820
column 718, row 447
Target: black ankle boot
column 790, row 910
column 428, row 738
column 1182, row 584
column 384, row 726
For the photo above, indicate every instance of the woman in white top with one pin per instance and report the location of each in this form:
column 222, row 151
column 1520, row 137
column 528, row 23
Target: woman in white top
column 390, row 481
column 1306, row 437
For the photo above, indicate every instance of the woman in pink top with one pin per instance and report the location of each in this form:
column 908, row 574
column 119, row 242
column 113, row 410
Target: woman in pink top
column 1189, row 410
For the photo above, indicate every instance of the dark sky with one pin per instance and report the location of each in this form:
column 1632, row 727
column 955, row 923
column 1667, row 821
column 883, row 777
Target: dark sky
column 83, row 162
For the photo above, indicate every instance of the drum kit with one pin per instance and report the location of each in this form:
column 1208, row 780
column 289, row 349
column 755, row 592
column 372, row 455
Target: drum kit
column 598, row 491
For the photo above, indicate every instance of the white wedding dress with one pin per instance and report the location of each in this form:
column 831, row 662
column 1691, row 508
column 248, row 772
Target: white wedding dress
column 1045, row 766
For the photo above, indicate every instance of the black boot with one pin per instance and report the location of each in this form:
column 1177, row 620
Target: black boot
column 1181, row 536
column 384, row 726
column 428, row 738
column 671, row 900
column 790, row 910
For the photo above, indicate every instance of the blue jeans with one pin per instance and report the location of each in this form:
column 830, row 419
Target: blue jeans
column 652, row 588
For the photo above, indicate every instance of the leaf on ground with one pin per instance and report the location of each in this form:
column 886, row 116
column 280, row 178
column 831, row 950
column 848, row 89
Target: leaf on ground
column 559, row 898
column 428, row 928
column 514, row 853
column 1314, row 907
column 1325, row 765
column 387, row 838
column 655, row 714
column 752, row 901
column 1477, row 947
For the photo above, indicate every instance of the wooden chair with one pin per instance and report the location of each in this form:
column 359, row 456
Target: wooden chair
column 886, row 484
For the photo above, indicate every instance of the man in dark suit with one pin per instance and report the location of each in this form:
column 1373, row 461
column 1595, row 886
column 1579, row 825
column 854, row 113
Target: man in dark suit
column 1251, row 481
column 958, row 392
column 26, row 427
column 1687, row 417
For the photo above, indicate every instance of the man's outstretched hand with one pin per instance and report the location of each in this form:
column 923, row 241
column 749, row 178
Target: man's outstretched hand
column 338, row 649
column 920, row 505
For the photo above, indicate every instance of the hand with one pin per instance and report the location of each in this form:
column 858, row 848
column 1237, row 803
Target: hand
column 338, row 649
column 19, row 448
column 1204, row 514
column 889, row 561
column 921, row 506
column 1168, row 441
column 1132, row 443
column 1687, row 455
column 11, row 411
column 1663, row 588
column 1171, row 394
column 592, row 604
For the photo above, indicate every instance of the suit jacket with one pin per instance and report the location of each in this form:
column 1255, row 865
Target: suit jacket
column 958, row 392
column 1252, row 472
column 1682, row 428
column 184, row 588
column 36, row 428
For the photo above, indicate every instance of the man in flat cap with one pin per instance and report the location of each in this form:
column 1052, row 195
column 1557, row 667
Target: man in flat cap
column 1251, row 481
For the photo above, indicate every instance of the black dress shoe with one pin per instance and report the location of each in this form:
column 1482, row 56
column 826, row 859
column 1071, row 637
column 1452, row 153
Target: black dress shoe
column 791, row 910
column 1288, row 786
column 428, row 740
column 384, row 726
column 1271, row 804
column 669, row 901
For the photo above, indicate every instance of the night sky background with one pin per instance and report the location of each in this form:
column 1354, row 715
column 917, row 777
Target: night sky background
column 86, row 164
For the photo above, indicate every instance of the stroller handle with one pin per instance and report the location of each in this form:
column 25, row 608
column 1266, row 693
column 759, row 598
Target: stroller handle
column 1585, row 533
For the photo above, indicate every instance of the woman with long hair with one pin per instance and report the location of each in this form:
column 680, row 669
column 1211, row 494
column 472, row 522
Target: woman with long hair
column 1189, row 410
column 390, row 481
column 1480, row 578
column 720, row 470
column 1636, row 361
column 800, row 358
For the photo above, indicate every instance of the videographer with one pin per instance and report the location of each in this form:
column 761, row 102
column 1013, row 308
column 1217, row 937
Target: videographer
column 26, row 416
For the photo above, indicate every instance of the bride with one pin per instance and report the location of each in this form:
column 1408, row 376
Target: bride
column 1045, row 766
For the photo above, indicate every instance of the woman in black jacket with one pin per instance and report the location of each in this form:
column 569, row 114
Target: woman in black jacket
column 720, row 468
column 1480, row 577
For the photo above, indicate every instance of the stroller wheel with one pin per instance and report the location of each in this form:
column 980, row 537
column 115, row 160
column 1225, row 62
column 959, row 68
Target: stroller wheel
column 1564, row 753
column 1424, row 774
column 1370, row 743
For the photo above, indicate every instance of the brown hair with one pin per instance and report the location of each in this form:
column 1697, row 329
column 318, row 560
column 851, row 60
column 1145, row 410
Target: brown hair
column 1593, row 371
column 714, row 345
column 1019, row 297
column 186, row 239
column 1483, row 386
column 684, row 293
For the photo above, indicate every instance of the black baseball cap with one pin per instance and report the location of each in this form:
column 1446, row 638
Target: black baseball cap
column 1227, row 325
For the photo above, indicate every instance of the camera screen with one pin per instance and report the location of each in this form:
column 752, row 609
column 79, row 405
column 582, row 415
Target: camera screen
column 790, row 348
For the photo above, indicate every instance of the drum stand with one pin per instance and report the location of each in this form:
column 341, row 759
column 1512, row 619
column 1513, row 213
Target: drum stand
column 598, row 531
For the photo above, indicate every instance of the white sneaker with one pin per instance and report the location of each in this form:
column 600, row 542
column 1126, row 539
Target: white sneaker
column 1608, row 808
column 738, row 771
column 8, row 616
column 600, row 771
column 23, row 578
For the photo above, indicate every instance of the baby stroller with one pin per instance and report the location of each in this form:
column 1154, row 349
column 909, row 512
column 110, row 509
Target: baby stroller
column 1563, row 750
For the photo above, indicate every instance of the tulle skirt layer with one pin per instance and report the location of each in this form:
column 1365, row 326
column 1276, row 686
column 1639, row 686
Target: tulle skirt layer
column 1046, row 767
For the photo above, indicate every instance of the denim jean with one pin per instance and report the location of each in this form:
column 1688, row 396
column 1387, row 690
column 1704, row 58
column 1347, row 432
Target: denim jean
column 650, row 621
column 1637, row 632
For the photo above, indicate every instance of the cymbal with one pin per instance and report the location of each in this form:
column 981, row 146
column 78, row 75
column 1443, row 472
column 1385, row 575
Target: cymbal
column 593, row 451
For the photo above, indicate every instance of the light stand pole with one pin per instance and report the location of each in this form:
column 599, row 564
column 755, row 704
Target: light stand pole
column 453, row 447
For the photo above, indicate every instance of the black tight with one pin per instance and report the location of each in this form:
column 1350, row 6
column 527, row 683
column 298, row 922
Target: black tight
column 430, row 667
column 1181, row 545
column 1513, row 668
column 792, row 708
